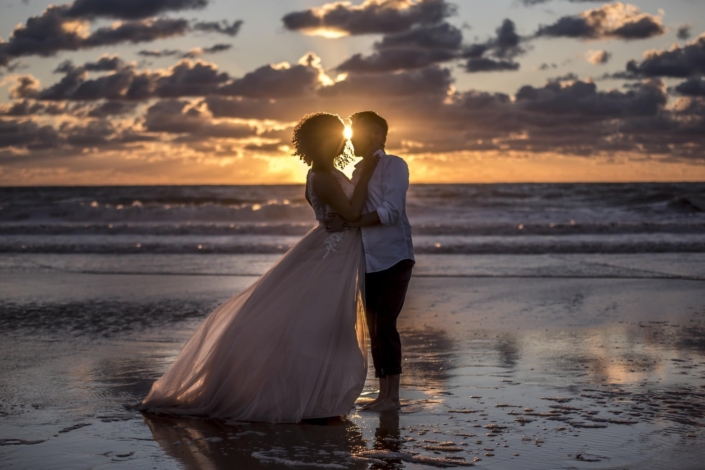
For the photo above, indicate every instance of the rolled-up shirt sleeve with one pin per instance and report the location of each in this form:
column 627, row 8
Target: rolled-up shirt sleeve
column 395, row 184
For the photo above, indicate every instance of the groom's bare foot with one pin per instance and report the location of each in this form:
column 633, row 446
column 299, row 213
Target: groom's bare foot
column 386, row 404
column 367, row 405
column 383, row 386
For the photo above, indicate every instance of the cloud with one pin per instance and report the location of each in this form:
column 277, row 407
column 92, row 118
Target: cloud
column 496, row 54
column 678, row 61
column 428, row 81
column 67, row 27
column 582, row 100
column 417, row 48
column 277, row 81
column 179, row 117
column 112, row 108
column 694, row 86
column 188, row 78
column 27, row 134
column 185, row 78
column 54, row 31
column 129, row 9
column 684, row 32
column 106, row 63
column 485, row 64
column 191, row 54
column 426, row 45
column 370, row 17
column 598, row 57
column 26, row 86
column 222, row 27
column 611, row 21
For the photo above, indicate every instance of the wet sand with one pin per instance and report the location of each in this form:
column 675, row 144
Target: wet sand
column 530, row 362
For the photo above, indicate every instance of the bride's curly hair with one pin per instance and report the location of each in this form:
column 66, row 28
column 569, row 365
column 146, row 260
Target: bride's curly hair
column 309, row 133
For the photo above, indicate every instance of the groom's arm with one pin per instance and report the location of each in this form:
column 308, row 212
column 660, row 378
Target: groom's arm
column 395, row 183
column 334, row 222
column 367, row 220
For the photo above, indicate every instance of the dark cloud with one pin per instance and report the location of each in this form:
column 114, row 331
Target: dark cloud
column 214, row 49
column 136, row 31
column 694, row 86
column 684, row 32
column 192, row 54
column 578, row 98
column 417, row 48
column 186, row 78
column 610, row 21
column 105, row 64
column 161, row 53
column 496, row 54
column 178, row 117
column 272, row 82
column 26, row 87
column 571, row 118
column 428, row 45
column 54, row 31
column 222, row 27
column 67, row 27
column 30, row 107
column 370, row 17
column 27, row 134
column 129, row 9
column 679, row 61
column 507, row 43
column 486, row 64
column 112, row 108
column 428, row 81
column 189, row 78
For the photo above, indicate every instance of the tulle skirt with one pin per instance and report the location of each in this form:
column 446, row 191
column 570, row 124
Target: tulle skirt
column 289, row 347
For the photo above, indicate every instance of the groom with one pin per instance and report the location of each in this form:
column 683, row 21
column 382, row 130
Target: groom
column 389, row 253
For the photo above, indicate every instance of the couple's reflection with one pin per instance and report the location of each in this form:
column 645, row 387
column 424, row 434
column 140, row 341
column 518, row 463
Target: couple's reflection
column 211, row 444
column 387, row 437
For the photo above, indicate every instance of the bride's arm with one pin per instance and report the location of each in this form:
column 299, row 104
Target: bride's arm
column 328, row 189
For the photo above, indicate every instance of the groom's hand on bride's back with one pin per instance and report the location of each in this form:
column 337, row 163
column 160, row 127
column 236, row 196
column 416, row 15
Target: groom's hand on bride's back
column 334, row 222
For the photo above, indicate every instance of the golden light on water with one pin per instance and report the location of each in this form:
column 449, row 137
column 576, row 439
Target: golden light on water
column 347, row 133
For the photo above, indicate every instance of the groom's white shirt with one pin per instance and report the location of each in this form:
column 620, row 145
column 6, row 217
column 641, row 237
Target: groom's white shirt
column 387, row 244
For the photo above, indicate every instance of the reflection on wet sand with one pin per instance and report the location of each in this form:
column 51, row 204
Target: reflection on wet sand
column 428, row 355
column 506, row 376
column 388, row 438
column 204, row 444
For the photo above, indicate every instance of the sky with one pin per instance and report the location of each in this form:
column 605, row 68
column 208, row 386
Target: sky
column 96, row 92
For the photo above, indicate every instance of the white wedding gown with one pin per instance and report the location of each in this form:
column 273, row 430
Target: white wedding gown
column 289, row 347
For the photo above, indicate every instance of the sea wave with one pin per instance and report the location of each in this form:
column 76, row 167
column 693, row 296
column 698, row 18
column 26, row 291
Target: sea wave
column 242, row 244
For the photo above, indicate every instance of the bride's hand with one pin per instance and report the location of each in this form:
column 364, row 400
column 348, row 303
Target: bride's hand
column 334, row 222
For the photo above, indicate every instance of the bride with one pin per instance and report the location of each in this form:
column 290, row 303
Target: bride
column 292, row 345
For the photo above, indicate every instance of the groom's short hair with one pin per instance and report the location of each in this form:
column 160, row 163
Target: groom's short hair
column 370, row 117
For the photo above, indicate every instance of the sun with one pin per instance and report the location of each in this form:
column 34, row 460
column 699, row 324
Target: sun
column 347, row 133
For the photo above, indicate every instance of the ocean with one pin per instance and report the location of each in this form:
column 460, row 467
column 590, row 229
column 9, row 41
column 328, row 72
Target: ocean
column 446, row 219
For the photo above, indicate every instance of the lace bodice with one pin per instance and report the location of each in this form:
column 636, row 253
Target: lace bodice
column 319, row 207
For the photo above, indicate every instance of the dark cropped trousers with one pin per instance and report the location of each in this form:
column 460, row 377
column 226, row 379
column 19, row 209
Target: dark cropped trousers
column 385, row 292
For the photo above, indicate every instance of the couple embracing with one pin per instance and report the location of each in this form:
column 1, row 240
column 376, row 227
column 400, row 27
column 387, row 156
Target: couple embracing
column 293, row 345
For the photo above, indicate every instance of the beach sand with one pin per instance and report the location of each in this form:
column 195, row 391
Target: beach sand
column 510, row 362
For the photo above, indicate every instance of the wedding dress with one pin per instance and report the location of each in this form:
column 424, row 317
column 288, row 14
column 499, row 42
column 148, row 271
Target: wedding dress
column 289, row 347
